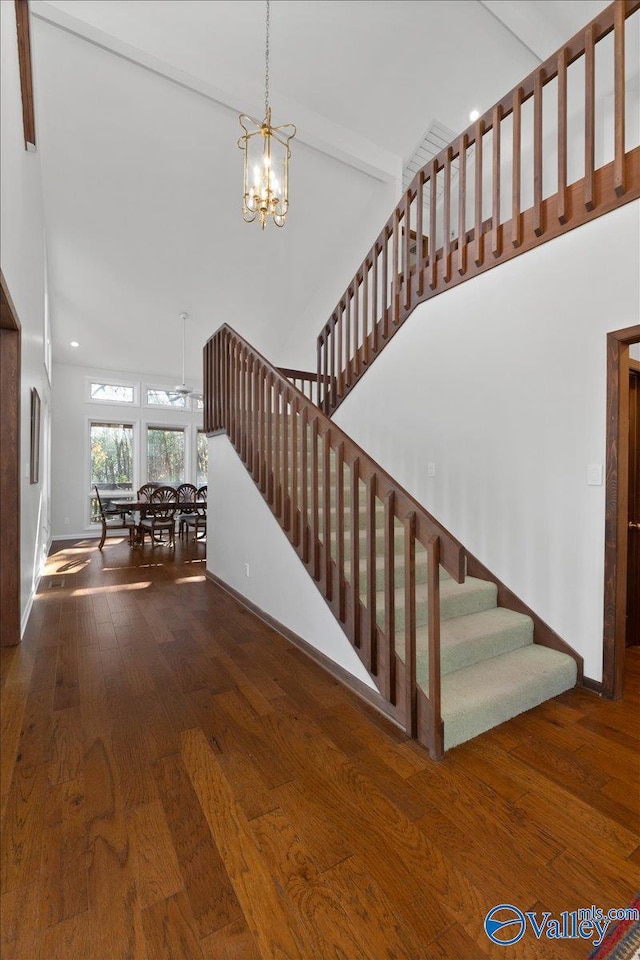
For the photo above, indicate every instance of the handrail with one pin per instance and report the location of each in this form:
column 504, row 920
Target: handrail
column 305, row 380
column 346, row 518
column 399, row 272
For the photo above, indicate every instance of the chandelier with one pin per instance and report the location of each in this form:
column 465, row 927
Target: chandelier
column 266, row 161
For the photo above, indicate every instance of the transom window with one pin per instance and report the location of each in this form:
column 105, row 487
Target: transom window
column 103, row 391
column 157, row 397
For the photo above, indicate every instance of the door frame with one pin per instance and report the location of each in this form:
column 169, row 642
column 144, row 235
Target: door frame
column 616, row 510
column 10, row 377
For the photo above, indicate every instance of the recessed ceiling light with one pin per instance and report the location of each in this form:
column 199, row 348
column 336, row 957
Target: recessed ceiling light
column 473, row 116
column 74, row 343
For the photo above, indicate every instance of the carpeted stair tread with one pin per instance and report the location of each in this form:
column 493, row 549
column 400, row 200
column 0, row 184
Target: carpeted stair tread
column 456, row 599
column 486, row 694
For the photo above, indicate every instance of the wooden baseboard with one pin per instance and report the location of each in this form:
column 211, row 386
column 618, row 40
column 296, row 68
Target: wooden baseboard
column 360, row 689
column 595, row 686
column 542, row 632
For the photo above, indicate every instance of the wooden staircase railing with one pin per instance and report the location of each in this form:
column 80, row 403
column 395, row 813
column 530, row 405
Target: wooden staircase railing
column 347, row 519
column 306, row 381
column 412, row 260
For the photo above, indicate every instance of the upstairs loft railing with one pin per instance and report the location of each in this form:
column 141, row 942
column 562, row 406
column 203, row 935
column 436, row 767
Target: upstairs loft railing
column 480, row 221
column 373, row 551
column 306, row 381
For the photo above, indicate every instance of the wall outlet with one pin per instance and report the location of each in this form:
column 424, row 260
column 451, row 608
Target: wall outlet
column 246, row 570
column 431, row 469
column 66, row 521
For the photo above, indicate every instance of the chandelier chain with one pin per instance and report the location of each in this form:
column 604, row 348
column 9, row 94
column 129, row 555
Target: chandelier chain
column 266, row 66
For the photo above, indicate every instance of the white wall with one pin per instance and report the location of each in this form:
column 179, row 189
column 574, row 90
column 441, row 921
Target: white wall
column 241, row 529
column 22, row 259
column 501, row 382
column 72, row 411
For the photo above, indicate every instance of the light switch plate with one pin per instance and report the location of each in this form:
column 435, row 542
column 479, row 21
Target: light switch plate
column 594, row 475
column 431, row 469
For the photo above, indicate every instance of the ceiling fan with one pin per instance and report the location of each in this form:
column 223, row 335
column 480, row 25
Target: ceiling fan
column 182, row 389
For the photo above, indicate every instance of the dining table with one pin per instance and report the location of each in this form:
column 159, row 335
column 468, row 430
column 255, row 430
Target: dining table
column 139, row 509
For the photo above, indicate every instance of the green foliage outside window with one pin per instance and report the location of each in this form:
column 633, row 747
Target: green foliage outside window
column 203, row 458
column 111, row 462
column 165, row 455
column 112, row 455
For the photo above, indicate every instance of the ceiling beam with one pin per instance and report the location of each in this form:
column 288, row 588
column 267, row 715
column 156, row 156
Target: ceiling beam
column 26, row 73
column 314, row 130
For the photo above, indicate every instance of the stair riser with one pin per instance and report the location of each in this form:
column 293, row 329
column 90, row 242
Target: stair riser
column 475, row 651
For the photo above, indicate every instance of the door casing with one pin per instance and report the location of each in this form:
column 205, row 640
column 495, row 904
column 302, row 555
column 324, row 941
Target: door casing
column 10, row 378
column 616, row 510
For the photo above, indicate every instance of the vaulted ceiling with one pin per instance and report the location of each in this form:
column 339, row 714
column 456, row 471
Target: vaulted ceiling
column 137, row 105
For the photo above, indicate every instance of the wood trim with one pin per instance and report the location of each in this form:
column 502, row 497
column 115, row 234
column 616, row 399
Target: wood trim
column 542, row 632
column 10, row 374
column 291, row 374
column 8, row 313
column 436, row 725
column 360, row 689
column 26, row 72
column 616, row 510
column 410, row 679
column 594, row 685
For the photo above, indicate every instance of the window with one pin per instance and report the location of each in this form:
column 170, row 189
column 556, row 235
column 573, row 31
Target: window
column 202, row 458
column 165, row 455
column 111, row 451
column 166, row 398
column 102, row 391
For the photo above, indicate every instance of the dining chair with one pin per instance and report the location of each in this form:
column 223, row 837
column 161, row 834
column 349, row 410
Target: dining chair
column 113, row 520
column 146, row 490
column 186, row 494
column 198, row 520
column 165, row 503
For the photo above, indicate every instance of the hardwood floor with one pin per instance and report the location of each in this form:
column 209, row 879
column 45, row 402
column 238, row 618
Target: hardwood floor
column 178, row 781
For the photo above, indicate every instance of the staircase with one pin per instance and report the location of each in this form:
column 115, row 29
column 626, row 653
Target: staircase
column 491, row 669
column 448, row 660
column 452, row 651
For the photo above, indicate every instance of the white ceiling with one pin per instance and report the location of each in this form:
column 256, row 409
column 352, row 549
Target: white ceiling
column 141, row 174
